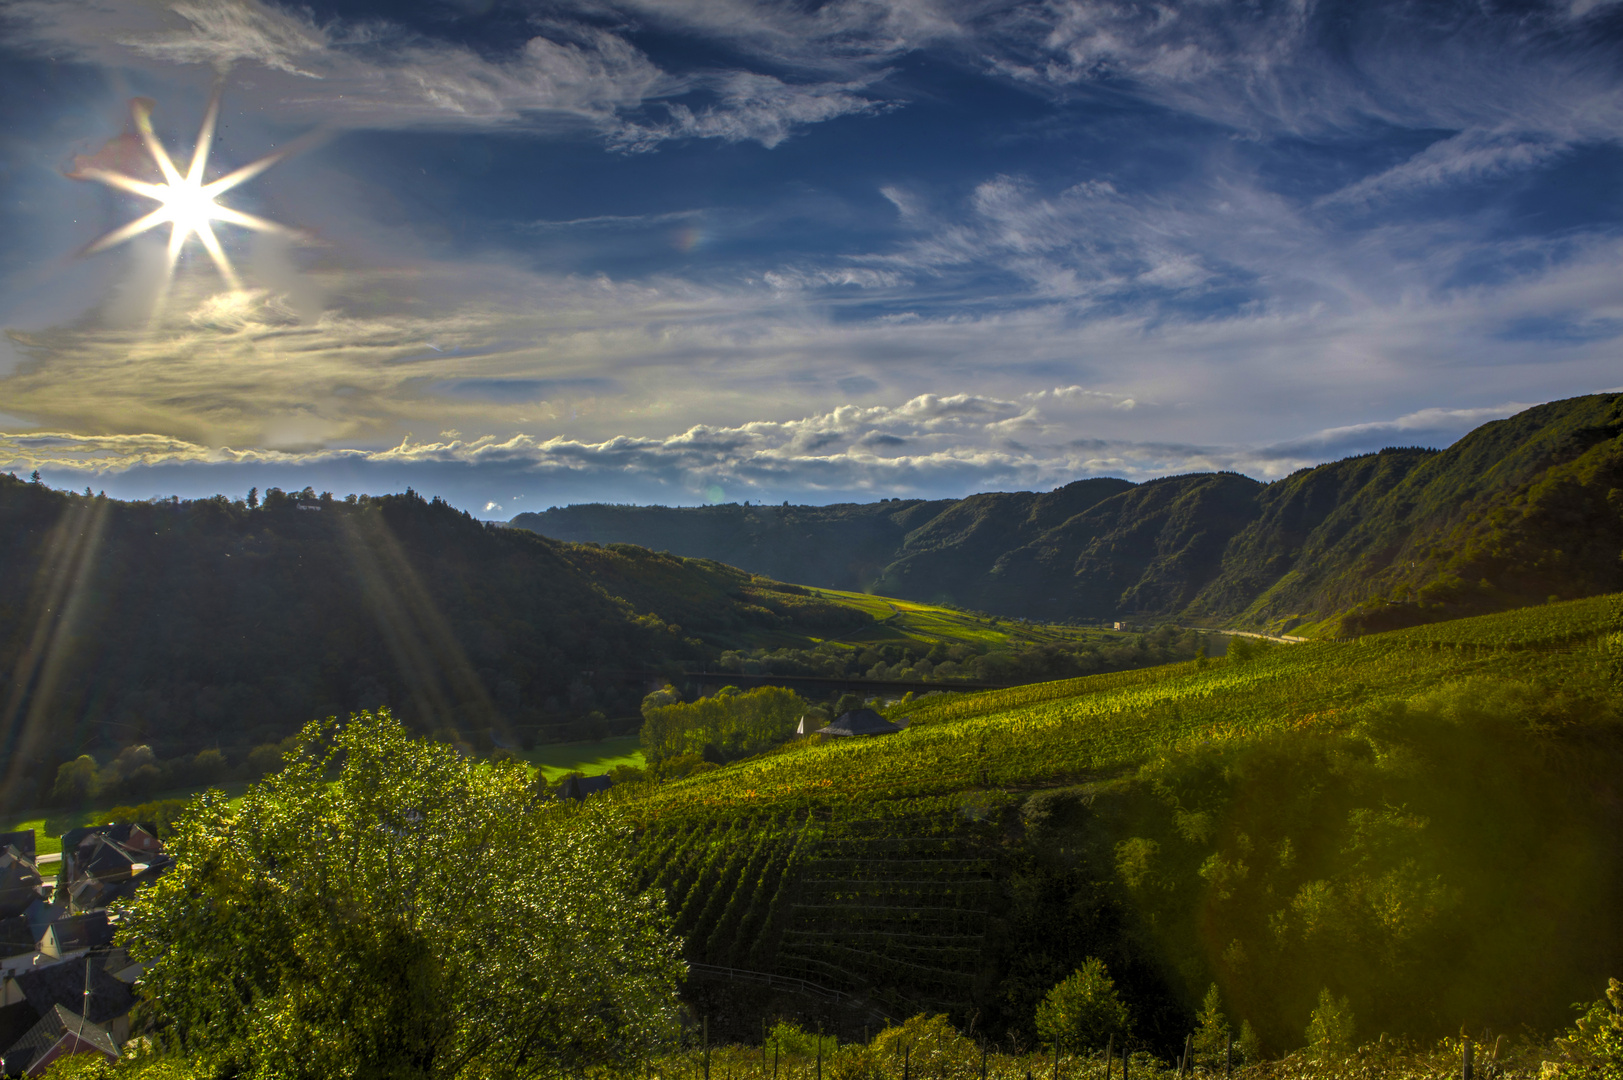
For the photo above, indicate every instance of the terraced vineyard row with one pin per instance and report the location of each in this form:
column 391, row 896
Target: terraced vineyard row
column 893, row 905
column 1535, row 627
column 998, row 742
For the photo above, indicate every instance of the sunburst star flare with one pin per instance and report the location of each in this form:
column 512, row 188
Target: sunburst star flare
column 185, row 203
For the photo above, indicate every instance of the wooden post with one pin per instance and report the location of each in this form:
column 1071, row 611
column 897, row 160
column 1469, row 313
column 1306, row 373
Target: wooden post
column 907, row 1057
column 1188, row 1065
column 1110, row 1053
column 983, row 1061
column 1124, row 1060
column 1468, row 1053
column 1228, row 1058
column 1056, row 1059
column 774, row 1061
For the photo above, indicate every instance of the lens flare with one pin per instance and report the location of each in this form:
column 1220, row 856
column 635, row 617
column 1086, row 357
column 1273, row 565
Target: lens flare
column 185, row 203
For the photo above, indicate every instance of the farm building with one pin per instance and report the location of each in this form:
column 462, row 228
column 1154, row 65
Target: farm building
column 861, row 722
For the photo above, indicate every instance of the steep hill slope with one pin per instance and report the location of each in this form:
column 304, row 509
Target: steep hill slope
column 1517, row 511
column 1425, row 821
column 196, row 624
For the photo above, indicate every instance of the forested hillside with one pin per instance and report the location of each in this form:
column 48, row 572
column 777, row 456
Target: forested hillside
column 197, row 624
column 1516, row 512
column 1424, row 823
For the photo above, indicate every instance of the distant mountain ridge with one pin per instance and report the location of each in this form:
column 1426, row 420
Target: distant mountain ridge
column 1517, row 511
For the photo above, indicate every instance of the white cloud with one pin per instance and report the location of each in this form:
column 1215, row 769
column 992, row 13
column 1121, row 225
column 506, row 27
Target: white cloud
column 359, row 75
column 1435, row 427
column 843, row 453
column 1467, row 158
column 373, row 75
column 753, row 108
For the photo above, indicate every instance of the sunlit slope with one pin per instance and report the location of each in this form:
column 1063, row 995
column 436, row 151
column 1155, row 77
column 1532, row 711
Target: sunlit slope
column 913, row 622
column 1060, row 732
column 1387, row 817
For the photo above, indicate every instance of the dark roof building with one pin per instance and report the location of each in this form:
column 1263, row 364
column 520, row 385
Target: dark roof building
column 861, row 722
column 15, row 1019
column 17, row 937
column 578, row 787
column 20, row 883
column 23, row 841
column 100, row 862
column 65, row 984
column 92, row 930
column 59, row 1033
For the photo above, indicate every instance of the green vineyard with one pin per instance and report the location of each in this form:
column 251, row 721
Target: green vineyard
column 892, row 868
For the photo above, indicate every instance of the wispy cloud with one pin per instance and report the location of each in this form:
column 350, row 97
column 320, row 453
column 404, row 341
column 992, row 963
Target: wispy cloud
column 375, row 75
column 753, row 108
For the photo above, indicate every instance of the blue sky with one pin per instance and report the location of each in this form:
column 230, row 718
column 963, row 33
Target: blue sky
column 720, row 249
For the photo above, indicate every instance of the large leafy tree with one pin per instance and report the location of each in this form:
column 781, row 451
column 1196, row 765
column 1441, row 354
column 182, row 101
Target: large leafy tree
column 386, row 907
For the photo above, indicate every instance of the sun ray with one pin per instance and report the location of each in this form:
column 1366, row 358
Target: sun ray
column 252, row 221
column 186, row 204
column 205, row 233
column 133, row 229
column 205, row 137
column 142, row 110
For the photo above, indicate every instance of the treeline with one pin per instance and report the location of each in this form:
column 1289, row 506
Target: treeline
column 724, row 727
column 137, row 773
column 983, row 662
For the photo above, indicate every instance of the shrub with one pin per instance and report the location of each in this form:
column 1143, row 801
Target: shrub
column 1330, row 1032
column 1084, row 1011
column 931, row 1047
column 1594, row 1047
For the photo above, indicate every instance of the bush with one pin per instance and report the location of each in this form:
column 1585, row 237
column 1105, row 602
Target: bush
column 931, row 1047
column 75, row 781
column 1594, row 1047
column 1083, row 1012
column 1330, row 1032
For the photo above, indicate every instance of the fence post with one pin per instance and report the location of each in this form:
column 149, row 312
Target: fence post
column 1467, row 1053
column 1187, row 1066
column 907, row 1058
column 1110, row 1053
column 1228, row 1058
column 983, row 1061
column 1056, row 1059
column 1124, row 1061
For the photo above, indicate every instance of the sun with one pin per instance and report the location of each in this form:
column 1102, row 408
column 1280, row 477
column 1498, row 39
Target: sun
column 186, row 204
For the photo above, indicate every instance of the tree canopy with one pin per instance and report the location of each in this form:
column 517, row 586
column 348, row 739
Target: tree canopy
column 386, row 907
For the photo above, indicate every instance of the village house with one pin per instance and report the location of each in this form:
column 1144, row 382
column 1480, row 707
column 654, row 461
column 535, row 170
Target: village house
column 65, row 988
column 59, row 1033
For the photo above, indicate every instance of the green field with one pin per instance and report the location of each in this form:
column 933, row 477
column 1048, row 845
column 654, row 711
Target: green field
column 586, row 758
column 907, row 621
column 49, row 825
